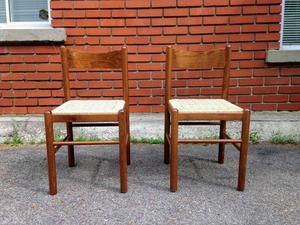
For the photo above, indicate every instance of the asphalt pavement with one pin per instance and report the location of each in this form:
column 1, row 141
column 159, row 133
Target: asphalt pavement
column 89, row 192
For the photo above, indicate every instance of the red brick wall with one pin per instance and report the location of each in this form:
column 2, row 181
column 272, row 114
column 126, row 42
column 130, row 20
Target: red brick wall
column 31, row 75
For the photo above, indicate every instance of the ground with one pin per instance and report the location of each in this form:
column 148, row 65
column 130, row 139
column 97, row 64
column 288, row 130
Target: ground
column 89, row 192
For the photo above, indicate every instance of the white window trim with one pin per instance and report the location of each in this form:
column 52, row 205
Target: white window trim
column 285, row 47
column 25, row 25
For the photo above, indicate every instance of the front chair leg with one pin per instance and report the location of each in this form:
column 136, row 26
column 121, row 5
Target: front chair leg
column 123, row 152
column 174, row 151
column 244, row 151
column 50, row 153
column 166, row 134
column 222, row 145
column 71, row 156
column 128, row 137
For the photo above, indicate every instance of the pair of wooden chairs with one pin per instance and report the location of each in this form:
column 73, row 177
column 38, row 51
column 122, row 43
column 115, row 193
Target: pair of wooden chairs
column 85, row 113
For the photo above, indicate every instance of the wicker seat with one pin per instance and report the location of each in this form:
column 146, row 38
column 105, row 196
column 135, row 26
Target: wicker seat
column 89, row 107
column 217, row 112
column 204, row 106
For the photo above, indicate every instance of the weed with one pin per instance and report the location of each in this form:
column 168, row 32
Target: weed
column 15, row 139
column 152, row 140
column 254, row 137
column 280, row 139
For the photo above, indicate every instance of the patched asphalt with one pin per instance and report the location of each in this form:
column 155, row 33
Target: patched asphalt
column 89, row 192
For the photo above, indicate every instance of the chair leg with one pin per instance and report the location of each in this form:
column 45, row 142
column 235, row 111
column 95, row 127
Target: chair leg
column 123, row 152
column 174, row 152
column 244, row 151
column 167, row 133
column 222, row 145
column 50, row 153
column 128, row 139
column 71, row 156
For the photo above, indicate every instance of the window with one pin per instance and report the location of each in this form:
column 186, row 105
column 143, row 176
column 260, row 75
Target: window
column 24, row 13
column 290, row 28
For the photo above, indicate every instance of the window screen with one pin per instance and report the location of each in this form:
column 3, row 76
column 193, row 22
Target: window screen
column 28, row 10
column 2, row 12
column 291, row 23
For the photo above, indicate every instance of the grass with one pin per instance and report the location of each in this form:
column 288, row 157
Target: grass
column 152, row 140
column 15, row 139
column 280, row 139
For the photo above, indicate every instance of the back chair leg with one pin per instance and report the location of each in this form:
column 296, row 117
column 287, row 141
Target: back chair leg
column 128, row 139
column 167, row 133
column 244, row 151
column 71, row 156
column 50, row 153
column 222, row 145
column 123, row 152
column 174, row 152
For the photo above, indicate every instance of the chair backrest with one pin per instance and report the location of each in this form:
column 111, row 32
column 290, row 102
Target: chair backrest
column 217, row 58
column 74, row 59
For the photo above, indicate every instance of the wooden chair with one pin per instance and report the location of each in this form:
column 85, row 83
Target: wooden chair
column 84, row 113
column 190, row 111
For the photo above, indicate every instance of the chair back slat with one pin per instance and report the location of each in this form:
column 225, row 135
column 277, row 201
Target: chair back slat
column 201, row 60
column 84, row 60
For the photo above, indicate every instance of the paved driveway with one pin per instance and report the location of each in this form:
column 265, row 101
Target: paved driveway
column 89, row 193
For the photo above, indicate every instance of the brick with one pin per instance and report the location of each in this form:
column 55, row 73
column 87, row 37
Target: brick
column 112, row 40
column 163, row 40
column 266, row 72
column 111, row 4
column 277, row 81
column 189, row 39
column 255, row 10
column 254, row 46
column 275, row 9
column 295, row 80
column 73, row 14
column 268, row 18
column 201, row 29
column 173, row 12
column 165, row 3
column 98, row 13
column 264, row 90
column 124, row 13
column 241, row 19
column 211, row 91
column 215, row 20
column 289, row 89
column 216, row 2
column 25, row 102
column 288, row 107
column 150, row 13
column 13, row 110
column 251, row 82
column 249, row 99
column 295, row 98
column 214, row 38
column 138, row 40
column 11, row 59
column 61, row 4
column 50, row 101
column 140, row 92
column 22, row 68
column 149, row 66
column 202, row 11
column 242, row 2
column 87, row 23
column 138, row 4
column 227, row 29
column 20, row 50
column 164, row 21
column 228, row 10
column 255, row 28
column 112, row 22
column 48, row 67
column 63, row 23
column 184, row 3
column 121, row 31
column 188, row 92
column 267, row 37
column 5, row 85
column 39, row 93
column 241, row 37
column 190, row 21
column 138, row 22
column 149, row 101
column 268, row 2
column 150, row 84
column 98, row 31
column 6, row 102
column 275, row 98
column 264, row 107
column 149, row 31
column 175, row 30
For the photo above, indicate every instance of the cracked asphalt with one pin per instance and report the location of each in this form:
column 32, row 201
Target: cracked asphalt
column 89, row 192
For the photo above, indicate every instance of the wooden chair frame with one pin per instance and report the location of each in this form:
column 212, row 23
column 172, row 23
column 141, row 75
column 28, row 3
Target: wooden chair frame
column 219, row 58
column 72, row 59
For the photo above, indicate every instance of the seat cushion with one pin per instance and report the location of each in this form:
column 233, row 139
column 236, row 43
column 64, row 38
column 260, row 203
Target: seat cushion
column 89, row 107
column 204, row 106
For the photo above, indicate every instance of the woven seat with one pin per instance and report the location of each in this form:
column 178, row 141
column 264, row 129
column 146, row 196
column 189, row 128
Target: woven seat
column 204, row 106
column 89, row 107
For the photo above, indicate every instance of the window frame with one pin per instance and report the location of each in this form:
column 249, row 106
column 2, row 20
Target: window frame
column 285, row 47
column 25, row 25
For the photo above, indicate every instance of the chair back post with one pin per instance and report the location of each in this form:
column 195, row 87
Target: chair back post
column 125, row 76
column 168, row 89
column 65, row 70
column 226, row 78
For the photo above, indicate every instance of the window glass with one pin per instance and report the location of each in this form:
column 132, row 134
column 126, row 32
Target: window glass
column 2, row 12
column 28, row 10
column 291, row 23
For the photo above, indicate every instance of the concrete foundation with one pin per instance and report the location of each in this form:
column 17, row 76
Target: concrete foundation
column 264, row 125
